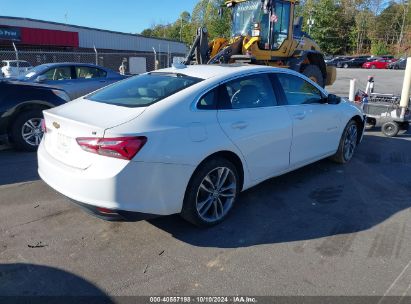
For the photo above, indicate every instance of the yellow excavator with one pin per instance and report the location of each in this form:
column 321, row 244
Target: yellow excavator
column 264, row 32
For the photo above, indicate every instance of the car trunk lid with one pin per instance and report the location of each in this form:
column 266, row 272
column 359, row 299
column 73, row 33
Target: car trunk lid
column 82, row 118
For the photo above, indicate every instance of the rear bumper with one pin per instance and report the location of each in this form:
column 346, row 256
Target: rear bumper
column 148, row 188
column 113, row 215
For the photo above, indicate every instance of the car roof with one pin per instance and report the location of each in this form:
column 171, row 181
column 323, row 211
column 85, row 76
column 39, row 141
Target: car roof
column 56, row 64
column 14, row 61
column 213, row 70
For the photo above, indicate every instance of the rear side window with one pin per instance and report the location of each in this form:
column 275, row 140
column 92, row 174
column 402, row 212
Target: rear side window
column 208, row 101
column 143, row 90
column 89, row 72
column 298, row 91
column 13, row 64
column 254, row 91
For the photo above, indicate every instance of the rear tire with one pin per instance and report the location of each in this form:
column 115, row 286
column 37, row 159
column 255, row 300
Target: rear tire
column 348, row 143
column 390, row 129
column 314, row 73
column 345, row 66
column 211, row 193
column 26, row 130
column 373, row 67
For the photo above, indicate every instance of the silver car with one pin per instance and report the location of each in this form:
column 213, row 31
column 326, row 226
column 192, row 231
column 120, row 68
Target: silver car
column 77, row 79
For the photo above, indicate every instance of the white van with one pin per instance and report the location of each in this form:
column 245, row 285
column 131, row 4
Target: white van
column 14, row 68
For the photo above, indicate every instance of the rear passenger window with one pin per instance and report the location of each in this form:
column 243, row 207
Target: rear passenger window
column 208, row 101
column 254, row 91
column 298, row 91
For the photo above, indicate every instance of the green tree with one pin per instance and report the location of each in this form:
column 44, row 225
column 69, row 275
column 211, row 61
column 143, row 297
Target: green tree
column 329, row 29
column 379, row 47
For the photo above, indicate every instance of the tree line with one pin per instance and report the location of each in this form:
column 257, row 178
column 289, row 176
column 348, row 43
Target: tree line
column 339, row 26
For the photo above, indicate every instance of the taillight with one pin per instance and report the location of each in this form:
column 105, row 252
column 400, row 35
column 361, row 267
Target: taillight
column 43, row 126
column 119, row 147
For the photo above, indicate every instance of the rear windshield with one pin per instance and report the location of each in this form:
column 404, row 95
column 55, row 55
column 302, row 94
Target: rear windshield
column 143, row 90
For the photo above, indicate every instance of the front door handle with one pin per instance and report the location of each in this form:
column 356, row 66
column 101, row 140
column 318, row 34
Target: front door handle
column 299, row 116
column 239, row 125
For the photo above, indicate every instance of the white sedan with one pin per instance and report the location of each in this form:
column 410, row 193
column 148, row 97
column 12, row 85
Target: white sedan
column 189, row 139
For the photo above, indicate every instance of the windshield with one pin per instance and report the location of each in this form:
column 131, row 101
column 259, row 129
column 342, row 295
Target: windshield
column 245, row 14
column 34, row 71
column 143, row 90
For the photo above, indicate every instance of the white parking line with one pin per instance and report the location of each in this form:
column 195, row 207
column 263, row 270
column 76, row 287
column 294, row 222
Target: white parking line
column 395, row 282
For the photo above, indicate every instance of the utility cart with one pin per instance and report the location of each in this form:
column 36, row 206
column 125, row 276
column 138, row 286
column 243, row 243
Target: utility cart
column 383, row 110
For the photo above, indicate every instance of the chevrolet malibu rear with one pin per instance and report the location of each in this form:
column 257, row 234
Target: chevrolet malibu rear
column 100, row 151
column 188, row 140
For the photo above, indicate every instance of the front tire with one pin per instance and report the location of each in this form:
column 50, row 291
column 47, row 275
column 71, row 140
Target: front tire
column 345, row 66
column 211, row 193
column 348, row 143
column 314, row 73
column 26, row 133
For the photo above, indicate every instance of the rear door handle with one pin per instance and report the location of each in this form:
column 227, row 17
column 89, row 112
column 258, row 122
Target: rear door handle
column 299, row 116
column 239, row 125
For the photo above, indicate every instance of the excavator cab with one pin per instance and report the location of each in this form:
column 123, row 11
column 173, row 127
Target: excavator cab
column 267, row 20
column 264, row 32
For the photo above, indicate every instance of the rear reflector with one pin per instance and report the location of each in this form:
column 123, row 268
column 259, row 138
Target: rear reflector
column 105, row 211
column 119, row 147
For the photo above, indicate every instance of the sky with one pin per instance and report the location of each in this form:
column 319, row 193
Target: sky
column 129, row 16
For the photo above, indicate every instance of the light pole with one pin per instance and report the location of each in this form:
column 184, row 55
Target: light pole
column 181, row 29
column 310, row 23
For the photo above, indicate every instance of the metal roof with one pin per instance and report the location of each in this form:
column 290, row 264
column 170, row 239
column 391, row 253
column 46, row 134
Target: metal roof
column 100, row 38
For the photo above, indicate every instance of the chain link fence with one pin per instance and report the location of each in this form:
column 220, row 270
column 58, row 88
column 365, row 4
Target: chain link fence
column 112, row 60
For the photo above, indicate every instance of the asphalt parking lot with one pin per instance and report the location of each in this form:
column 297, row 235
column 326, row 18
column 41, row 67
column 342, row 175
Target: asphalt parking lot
column 325, row 229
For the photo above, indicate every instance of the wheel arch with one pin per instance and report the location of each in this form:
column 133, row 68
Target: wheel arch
column 230, row 156
column 24, row 107
column 360, row 124
column 302, row 58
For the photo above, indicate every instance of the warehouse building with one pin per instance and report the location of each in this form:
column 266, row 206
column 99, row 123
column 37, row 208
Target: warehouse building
column 40, row 41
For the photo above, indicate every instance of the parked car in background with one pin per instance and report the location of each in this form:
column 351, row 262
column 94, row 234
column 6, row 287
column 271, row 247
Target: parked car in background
column 77, row 79
column 203, row 133
column 21, row 106
column 334, row 61
column 379, row 63
column 355, row 62
column 14, row 68
column 388, row 57
column 400, row 64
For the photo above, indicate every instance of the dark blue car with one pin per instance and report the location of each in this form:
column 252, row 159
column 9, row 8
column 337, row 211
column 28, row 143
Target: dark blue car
column 21, row 106
column 77, row 79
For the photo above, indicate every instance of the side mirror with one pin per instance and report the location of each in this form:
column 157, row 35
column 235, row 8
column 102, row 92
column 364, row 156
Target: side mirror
column 41, row 78
column 332, row 99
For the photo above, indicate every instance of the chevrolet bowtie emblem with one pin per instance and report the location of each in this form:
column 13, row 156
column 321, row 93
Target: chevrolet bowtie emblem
column 56, row 125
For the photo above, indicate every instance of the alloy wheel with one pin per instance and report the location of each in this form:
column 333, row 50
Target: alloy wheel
column 31, row 131
column 350, row 142
column 216, row 194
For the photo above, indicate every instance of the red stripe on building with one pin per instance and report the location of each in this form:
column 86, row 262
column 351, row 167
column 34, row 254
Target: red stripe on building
column 33, row 36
